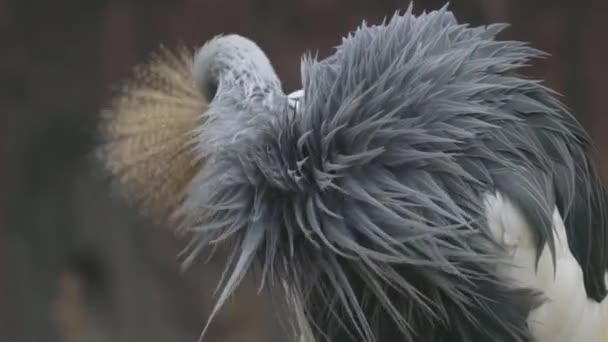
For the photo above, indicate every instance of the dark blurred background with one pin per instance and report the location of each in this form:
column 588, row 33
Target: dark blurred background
column 75, row 263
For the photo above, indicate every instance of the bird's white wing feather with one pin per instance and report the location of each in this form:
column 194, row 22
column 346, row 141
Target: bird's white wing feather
column 295, row 99
column 567, row 315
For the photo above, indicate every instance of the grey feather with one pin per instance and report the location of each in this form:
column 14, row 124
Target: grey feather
column 367, row 200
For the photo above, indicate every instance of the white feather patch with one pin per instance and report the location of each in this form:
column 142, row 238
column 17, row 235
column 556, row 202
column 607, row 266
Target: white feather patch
column 567, row 315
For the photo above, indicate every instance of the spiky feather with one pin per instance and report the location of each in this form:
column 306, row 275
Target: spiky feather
column 368, row 202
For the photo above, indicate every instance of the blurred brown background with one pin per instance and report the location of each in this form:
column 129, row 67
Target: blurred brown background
column 75, row 263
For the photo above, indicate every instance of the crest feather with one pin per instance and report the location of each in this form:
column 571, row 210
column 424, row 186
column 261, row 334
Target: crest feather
column 147, row 133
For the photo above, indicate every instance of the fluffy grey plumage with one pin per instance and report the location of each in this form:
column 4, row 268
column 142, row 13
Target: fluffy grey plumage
column 367, row 201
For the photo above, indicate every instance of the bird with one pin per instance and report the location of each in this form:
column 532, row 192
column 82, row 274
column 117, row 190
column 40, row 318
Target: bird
column 417, row 187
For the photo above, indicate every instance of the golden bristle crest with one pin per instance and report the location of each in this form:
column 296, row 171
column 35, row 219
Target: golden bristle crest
column 148, row 133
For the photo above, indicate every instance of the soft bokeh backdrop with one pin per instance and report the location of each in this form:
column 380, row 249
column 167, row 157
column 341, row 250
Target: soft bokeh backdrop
column 75, row 263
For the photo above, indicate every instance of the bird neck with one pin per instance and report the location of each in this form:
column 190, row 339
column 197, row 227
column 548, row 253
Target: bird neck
column 234, row 65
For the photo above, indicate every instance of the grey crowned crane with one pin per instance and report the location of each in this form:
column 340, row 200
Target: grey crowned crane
column 417, row 188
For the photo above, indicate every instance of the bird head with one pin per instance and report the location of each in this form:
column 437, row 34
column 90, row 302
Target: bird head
column 151, row 129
